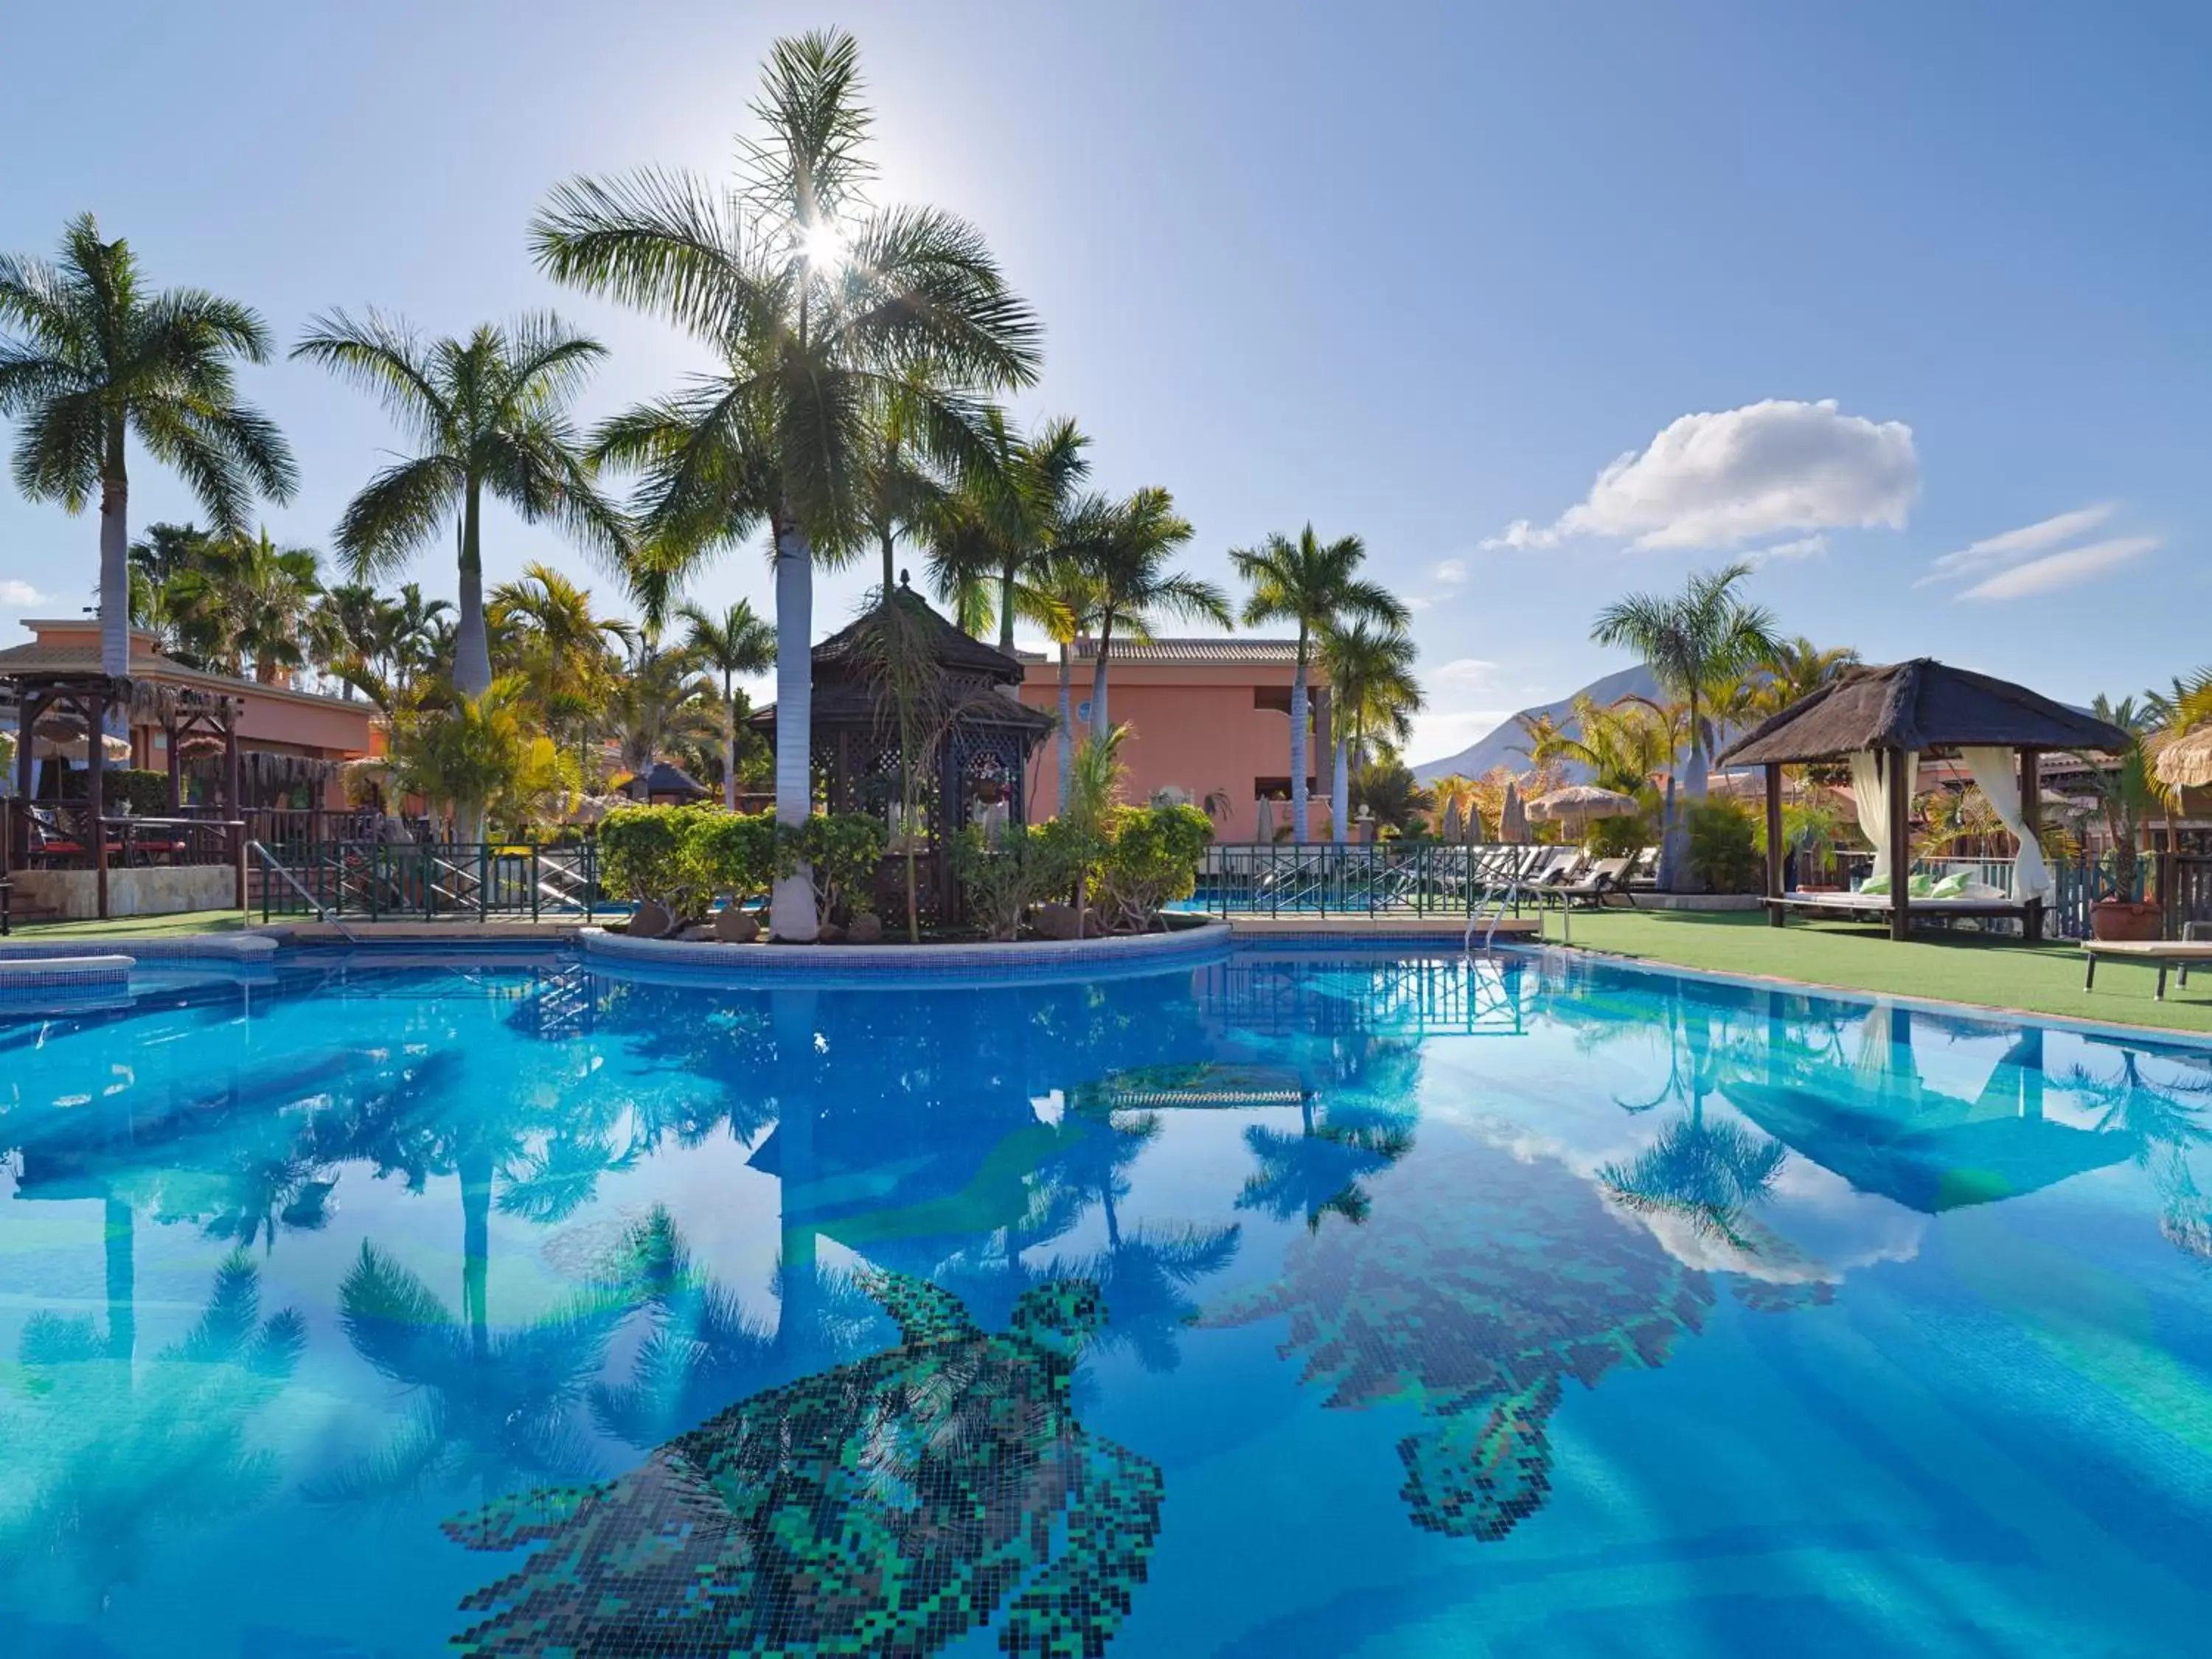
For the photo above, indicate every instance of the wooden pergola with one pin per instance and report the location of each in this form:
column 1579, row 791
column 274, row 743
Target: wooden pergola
column 982, row 735
column 1894, row 713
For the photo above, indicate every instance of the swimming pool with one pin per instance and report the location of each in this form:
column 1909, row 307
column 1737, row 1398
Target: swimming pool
column 1302, row 1303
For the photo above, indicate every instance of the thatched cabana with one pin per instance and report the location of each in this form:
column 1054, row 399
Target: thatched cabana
column 963, row 711
column 1880, row 721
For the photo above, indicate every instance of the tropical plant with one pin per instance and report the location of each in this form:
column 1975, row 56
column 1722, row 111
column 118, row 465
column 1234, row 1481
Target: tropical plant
column 244, row 598
column 736, row 642
column 1316, row 585
column 1693, row 642
column 545, row 631
column 1372, row 693
column 1386, row 787
column 489, row 416
column 994, row 536
column 1723, row 849
column 1070, row 587
column 645, row 856
column 1003, row 875
column 1621, row 745
column 659, row 703
column 842, row 852
column 2127, row 792
column 93, row 359
column 478, row 758
column 1126, row 546
column 1151, row 860
column 826, row 314
column 1084, row 825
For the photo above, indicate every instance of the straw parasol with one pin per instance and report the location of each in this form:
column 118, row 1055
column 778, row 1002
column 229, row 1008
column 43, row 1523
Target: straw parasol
column 2186, row 761
column 52, row 743
column 1263, row 819
column 1580, row 804
column 1512, row 816
column 1453, row 825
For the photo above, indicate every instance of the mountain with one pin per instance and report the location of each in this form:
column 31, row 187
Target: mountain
column 1498, row 748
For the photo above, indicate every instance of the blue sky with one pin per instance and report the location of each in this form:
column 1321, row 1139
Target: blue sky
column 1595, row 271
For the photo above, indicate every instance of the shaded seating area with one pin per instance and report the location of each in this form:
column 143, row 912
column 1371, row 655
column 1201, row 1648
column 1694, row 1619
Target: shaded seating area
column 972, row 738
column 1878, row 722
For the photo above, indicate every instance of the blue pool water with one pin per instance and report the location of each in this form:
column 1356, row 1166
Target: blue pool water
column 1299, row 1304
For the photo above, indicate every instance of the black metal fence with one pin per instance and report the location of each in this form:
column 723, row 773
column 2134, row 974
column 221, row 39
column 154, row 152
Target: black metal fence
column 430, row 881
column 1320, row 878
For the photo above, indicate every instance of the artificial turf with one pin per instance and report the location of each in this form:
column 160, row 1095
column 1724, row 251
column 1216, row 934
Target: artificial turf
column 1955, row 966
column 191, row 922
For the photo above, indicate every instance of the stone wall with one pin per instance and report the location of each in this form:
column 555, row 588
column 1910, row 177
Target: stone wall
column 159, row 890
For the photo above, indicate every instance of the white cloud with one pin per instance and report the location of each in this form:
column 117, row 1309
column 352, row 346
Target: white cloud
column 1464, row 672
column 1449, row 572
column 1417, row 602
column 1722, row 479
column 1440, row 732
column 1805, row 547
column 14, row 594
column 2014, row 545
column 2056, row 570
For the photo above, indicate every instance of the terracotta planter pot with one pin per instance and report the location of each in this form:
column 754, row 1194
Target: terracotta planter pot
column 2121, row 918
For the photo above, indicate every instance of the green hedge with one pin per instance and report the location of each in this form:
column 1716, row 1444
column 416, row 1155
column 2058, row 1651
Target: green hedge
column 683, row 857
column 1148, row 856
column 1150, row 860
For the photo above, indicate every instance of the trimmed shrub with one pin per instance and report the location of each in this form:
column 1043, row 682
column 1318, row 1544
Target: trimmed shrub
column 739, row 853
column 1151, row 860
column 643, row 854
column 1725, row 848
column 1002, row 877
column 845, row 851
column 1621, row 837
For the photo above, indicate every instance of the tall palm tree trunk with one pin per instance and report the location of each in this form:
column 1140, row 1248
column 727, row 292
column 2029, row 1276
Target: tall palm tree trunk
column 1340, row 794
column 1098, row 724
column 791, row 905
column 471, row 645
column 1007, row 608
column 1298, row 813
column 114, row 562
column 1066, row 743
column 475, row 1173
column 730, row 761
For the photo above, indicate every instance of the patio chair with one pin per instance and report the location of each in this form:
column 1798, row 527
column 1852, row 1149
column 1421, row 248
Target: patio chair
column 1593, row 885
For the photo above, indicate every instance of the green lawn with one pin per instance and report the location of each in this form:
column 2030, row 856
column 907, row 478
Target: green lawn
column 191, row 922
column 1961, row 967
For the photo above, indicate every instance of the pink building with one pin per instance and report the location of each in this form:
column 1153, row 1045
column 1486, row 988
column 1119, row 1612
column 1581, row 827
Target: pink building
column 289, row 741
column 1209, row 718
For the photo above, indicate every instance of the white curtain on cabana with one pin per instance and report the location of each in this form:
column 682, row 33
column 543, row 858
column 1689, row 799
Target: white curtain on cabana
column 1996, row 774
column 1870, row 794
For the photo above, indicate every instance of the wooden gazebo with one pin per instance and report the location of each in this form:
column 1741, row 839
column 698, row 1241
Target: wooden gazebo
column 979, row 735
column 1880, row 721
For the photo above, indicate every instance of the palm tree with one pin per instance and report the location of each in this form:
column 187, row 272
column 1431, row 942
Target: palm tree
column 736, row 642
column 1126, row 548
column 1693, row 642
column 562, row 650
column 1315, row 585
column 661, row 702
column 1000, row 529
column 826, row 314
column 352, row 615
column 1372, row 690
column 1070, row 587
column 248, row 600
column 488, row 414
column 95, row 360
column 1622, row 744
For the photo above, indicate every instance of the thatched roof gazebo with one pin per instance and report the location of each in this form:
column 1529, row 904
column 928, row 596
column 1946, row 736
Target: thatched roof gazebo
column 962, row 709
column 1880, row 721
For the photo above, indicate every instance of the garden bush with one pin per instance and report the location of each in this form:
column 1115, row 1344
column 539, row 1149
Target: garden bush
column 737, row 854
column 644, row 855
column 1002, row 876
column 845, row 851
column 1619, row 838
column 1150, row 859
column 1725, row 848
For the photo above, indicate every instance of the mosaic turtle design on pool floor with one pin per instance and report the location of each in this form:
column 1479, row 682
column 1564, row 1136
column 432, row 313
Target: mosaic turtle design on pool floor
column 884, row 1507
column 1477, row 1284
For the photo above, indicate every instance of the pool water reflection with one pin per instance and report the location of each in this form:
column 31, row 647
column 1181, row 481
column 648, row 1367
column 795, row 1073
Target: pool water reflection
column 1301, row 1303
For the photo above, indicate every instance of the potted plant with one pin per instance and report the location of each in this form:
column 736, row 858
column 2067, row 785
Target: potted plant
column 2127, row 794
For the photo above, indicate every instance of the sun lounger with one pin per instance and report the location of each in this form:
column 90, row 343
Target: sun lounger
column 2192, row 949
column 1593, row 885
